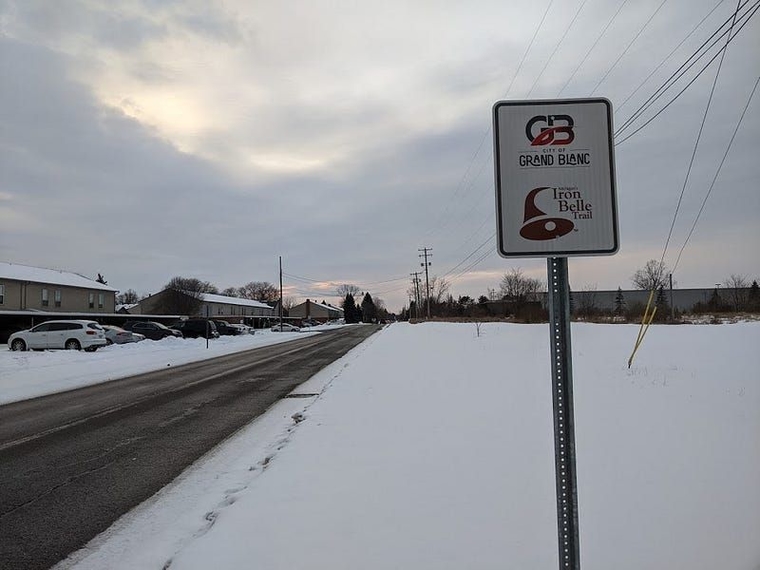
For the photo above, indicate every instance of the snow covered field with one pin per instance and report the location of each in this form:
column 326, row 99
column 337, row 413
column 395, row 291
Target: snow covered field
column 431, row 448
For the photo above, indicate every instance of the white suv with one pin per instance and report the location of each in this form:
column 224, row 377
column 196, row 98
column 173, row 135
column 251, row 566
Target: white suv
column 71, row 335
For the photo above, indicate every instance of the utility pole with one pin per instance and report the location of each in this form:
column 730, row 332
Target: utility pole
column 426, row 264
column 672, row 308
column 416, row 282
column 280, row 293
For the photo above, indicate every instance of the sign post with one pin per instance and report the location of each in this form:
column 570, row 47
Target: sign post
column 564, row 419
column 555, row 197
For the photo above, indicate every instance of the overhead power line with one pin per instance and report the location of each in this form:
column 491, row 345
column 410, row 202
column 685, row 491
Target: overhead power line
column 559, row 43
column 696, row 146
column 717, row 173
column 625, row 51
column 690, row 62
column 598, row 38
column 530, row 45
column 667, row 57
column 476, row 250
column 462, row 184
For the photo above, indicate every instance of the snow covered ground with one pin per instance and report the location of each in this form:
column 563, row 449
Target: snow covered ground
column 429, row 447
column 25, row 375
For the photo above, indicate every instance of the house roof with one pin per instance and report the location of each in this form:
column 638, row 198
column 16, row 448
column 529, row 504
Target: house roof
column 333, row 307
column 18, row 272
column 210, row 298
column 324, row 305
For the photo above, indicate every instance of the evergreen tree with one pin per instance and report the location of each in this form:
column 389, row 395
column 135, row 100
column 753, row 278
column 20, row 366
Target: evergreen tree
column 753, row 299
column 349, row 309
column 715, row 303
column 369, row 311
column 663, row 309
column 412, row 313
column 619, row 302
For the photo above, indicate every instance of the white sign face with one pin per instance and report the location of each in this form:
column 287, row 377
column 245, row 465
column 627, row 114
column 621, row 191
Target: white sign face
column 555, row 178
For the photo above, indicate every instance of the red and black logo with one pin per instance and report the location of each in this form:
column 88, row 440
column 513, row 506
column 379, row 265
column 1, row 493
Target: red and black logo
column 537, row 226
column 552, row 130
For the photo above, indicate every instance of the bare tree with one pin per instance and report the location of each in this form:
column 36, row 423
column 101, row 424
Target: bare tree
column 653, row 275
column 231, row 292
column 382, row 309
column 587, row 305
column 289, row 302
column 347, row 289
column 259, row 291
column 191, row 284
column 128, row 297
column 737, row 290
column 515, row 286
column 183, row 295
column 439, row 288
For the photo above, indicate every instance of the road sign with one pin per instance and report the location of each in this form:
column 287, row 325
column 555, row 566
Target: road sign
column 555, row 178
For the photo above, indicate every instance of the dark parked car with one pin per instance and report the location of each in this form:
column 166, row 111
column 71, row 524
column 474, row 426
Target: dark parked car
column 197, row 328
column 151, row 329
column 225, row 328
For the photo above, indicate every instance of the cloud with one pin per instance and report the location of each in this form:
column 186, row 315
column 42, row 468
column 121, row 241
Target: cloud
column 148, row 139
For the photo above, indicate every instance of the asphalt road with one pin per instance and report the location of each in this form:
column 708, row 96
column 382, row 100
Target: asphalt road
column 72, row 463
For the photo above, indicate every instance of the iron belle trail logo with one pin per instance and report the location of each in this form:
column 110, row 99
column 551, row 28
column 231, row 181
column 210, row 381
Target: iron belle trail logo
column 566, row 201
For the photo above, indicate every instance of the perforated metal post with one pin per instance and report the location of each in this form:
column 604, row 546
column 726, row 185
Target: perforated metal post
column 564, row 424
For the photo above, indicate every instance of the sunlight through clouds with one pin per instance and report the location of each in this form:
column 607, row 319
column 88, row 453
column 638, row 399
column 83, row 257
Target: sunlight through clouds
column 345, row 135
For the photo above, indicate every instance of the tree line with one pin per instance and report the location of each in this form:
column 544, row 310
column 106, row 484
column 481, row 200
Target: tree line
column 520, row 296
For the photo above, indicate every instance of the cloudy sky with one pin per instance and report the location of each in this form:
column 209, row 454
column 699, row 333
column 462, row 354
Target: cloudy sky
column 145, row 139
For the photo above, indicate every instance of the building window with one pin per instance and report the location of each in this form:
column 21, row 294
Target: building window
column 91, row 300
column 2, row 294
column 57, row 297
column 45, row 298
column 101, row 300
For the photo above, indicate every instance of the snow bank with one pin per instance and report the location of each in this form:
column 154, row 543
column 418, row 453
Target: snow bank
column 25, row 375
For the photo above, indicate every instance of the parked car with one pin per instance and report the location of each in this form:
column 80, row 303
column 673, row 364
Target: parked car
column 197, row 328
column 225, row 328
column 117, row 335
column 70, row 335
column 285, row 327
column 151, row 329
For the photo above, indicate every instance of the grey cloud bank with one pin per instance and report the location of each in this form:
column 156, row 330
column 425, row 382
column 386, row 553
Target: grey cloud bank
column 154, row 140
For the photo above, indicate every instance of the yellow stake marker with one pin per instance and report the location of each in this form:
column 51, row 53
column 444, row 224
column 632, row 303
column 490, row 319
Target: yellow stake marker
column 645, row 322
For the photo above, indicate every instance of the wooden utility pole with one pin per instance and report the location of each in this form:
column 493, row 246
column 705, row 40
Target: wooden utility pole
column 416, row 282
column 280, row 293
column 426, row 264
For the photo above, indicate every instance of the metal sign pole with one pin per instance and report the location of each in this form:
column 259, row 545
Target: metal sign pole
column 564, row 423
